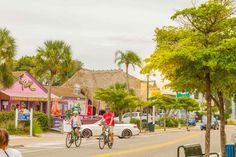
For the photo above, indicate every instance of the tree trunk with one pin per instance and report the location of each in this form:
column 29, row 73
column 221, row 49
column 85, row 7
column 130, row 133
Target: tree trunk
column 168, row 112
column 222, row 123
column 141, row 113
column 49, row 99
column 127, row 82
column 120, row 116
column 187, row 120
column 49, row 103
column 208, row 126
column 127, row 75
column 165, row 120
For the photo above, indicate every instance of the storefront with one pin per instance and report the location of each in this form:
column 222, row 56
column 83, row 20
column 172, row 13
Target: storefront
column 26, row 91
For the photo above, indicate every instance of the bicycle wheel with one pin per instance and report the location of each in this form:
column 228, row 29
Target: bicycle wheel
column 110, row 143
column 78, row 140
column 69, row 140
column 102, row 141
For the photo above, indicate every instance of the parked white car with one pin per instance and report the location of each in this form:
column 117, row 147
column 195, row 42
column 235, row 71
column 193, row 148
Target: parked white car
column 120, row 130
column 136, row 115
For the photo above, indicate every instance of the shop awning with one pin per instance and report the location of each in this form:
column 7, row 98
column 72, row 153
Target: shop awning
column 28, row 96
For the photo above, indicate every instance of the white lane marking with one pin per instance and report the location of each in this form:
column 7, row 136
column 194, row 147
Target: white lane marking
column 24, row 151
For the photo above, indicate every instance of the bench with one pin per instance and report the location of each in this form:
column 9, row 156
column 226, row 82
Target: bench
column 193, row 150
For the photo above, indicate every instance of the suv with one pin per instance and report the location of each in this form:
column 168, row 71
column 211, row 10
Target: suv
column 214, row 123
column 136, row 115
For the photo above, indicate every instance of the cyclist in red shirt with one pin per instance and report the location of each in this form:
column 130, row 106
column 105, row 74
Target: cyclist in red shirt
column 108, row 117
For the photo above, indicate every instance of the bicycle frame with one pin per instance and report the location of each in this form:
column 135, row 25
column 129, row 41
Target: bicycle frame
column 74, row 136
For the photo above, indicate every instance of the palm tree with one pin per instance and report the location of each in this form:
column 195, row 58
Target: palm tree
column 52, row 59
column 127, row 58
column 7, row 53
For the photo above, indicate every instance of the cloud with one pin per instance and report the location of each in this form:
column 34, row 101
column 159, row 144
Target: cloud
column 95, row 29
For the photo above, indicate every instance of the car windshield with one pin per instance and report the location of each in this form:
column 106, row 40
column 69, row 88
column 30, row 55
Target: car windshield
column 204, row 119
column 134, row 114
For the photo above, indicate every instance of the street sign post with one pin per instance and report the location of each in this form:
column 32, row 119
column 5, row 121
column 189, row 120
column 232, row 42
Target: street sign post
column 24, row 117
column 179, row 95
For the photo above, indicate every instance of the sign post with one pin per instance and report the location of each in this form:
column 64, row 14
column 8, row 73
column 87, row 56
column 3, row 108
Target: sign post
column 27, row 116
column 16, row 119
column 31, row 122
column 154, row 115
column 180, row 95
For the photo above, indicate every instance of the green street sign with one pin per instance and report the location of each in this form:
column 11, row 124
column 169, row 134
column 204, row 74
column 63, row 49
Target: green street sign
column 184, row 94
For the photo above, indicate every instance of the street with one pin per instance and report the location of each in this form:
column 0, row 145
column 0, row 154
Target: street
column 161, row 144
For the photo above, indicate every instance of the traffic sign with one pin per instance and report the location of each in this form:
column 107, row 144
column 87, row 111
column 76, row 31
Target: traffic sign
column 183, row 94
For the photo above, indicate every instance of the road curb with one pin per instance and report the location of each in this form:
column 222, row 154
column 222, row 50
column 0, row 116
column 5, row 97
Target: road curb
column 16, row 146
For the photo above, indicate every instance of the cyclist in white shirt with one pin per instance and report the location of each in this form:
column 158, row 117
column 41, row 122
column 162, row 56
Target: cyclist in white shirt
column 75, row 122
column 4, row 150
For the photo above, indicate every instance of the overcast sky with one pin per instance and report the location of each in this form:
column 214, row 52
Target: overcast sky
column 95, row 29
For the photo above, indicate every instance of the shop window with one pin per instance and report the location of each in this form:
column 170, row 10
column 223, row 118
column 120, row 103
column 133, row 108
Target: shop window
column 4, row 105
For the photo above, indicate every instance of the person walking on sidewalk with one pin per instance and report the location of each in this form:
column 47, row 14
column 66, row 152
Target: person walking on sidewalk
column 4, row 150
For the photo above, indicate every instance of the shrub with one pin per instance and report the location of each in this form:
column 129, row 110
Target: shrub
column 37, row 128
column 170, row 122
column 135, row 121
column 182, row 121
column 6, row 116
column 42, row 120
column 231, row 122
column 9, row 125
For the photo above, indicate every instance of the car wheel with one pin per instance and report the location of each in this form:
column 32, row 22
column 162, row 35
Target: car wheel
column 126, row 133
column 86, row 133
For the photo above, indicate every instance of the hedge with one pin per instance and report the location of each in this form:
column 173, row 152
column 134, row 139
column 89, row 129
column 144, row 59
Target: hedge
column 40, row 117
column 5, row 116
column 135, row 121
column 170, row 122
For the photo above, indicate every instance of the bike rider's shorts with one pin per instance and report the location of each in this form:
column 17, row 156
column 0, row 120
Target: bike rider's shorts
column 76, row 127
column 111, row 128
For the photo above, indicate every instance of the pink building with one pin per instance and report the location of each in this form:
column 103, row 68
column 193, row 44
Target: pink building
column 25, row 90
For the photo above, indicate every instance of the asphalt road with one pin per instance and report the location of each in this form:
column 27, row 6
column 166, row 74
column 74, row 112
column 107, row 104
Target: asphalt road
column 151, row 145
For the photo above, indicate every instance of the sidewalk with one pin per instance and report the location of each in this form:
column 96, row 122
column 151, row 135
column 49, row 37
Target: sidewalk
column 46, row 138
column 168, row 130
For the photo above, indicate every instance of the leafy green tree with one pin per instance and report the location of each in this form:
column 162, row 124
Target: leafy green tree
column 52, row 60
column 25, row 63
column 70, row 69
column 127, row 58
column 164, row 102
column 192, row 57
column 189, row 105
column 118, row 97
column 7, row 53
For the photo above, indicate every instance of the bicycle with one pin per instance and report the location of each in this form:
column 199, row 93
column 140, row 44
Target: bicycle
column 105, row 137
column 71, row 137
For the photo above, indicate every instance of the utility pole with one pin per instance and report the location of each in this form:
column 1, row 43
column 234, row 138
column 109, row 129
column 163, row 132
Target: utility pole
column 233, row 108
column 147, row 87
column 147, row 94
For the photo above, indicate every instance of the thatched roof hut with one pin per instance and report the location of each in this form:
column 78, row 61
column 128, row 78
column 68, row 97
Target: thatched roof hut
column 90, row 80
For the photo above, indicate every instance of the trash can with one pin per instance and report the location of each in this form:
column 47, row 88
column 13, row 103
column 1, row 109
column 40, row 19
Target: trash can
column 151, row 127
column 230, row 150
